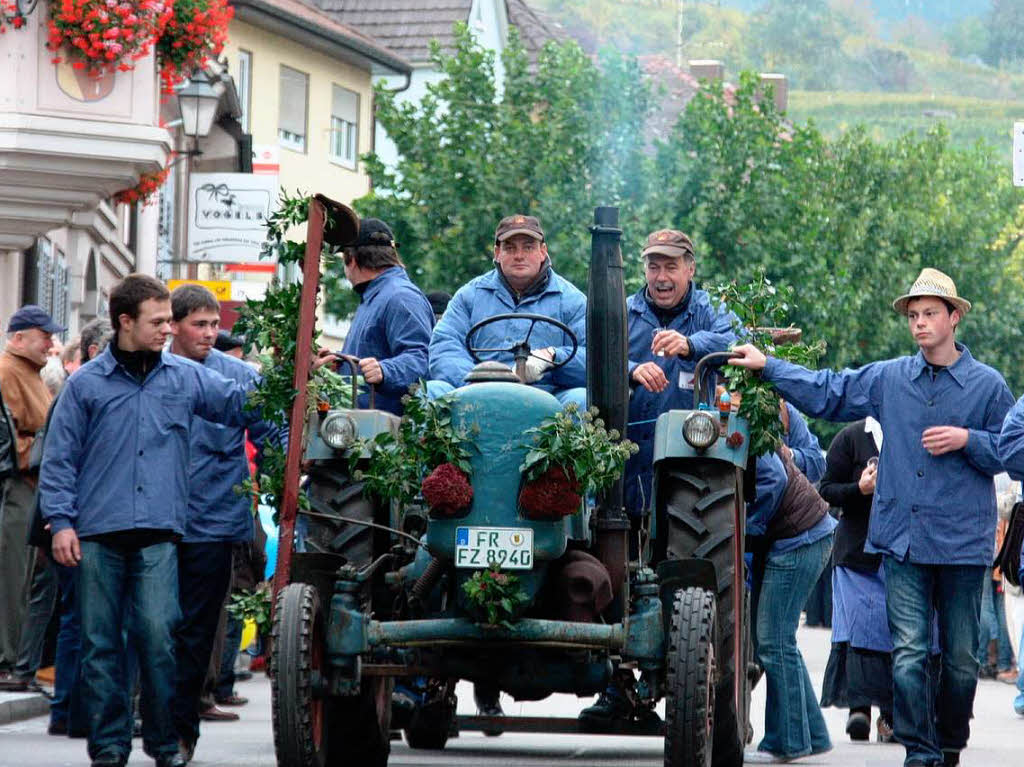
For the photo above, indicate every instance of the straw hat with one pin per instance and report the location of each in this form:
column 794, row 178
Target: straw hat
column 932, row 282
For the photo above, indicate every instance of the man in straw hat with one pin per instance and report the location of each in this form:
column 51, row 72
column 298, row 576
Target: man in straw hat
column 934, row 511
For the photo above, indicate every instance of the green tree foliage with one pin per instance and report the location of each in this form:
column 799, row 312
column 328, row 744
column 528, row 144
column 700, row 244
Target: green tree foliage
column 564, row 136
column 801, row 38
column 848, row 223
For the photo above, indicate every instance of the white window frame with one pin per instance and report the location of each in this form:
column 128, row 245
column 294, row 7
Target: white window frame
column 245, row 87
column 344, row 134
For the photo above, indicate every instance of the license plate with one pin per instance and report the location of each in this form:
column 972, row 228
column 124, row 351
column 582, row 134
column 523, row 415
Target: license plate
column 479, row 547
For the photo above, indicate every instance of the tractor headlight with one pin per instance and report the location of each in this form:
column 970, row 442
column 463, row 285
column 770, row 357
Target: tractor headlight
column 700, row 430
column 338, row 431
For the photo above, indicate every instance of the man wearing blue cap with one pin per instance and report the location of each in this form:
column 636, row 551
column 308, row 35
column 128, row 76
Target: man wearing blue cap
column 29, row 338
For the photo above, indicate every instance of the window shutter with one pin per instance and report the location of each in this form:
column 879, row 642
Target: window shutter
column 292, row 109
column 345, row 104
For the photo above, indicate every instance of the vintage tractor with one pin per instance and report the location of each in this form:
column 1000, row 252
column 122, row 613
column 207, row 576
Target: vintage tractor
column 377, row 593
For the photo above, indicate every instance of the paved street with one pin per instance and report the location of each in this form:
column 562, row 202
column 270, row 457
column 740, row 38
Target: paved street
column 997, row 740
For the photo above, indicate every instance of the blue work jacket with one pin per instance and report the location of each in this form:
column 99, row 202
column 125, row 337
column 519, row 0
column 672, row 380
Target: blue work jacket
column 772, row 482
column 392, row 324
column 928, row 509
column 486, row 296
column 1011, row 449
column 708, row 327
column 117, row 452
column 806, row 449
column 217, row 464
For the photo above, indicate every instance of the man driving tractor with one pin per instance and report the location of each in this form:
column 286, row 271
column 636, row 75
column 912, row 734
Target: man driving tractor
column 521, row 282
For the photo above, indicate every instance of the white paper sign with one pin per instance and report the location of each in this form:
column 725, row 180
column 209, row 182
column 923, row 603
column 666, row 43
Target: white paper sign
column 1018, row 154
column 227, row 215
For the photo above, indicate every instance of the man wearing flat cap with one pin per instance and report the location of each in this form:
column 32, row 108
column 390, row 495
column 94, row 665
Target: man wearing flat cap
column 672, row 324
column 390, row 330
column 29, row 339
column 933, row 516
column 521, row 282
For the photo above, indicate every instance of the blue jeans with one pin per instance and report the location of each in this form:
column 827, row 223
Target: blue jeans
column 226, row 678
column 66, row 705
column 137, row 590
column 925, row 724
column 793, row 723
column 1018, row 702
column 993, row 626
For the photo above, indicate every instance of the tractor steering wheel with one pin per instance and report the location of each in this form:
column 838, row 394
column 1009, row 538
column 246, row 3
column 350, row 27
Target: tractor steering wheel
column 520, row 350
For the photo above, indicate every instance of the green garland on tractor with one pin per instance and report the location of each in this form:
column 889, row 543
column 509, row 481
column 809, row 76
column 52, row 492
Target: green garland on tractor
column 270, row 326
column 762, row 309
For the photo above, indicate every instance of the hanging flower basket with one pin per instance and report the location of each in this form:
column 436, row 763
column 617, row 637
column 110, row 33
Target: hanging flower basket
column 447, row 491
column 196, row 30
column 101, row 36
column 149, row 184
column 10, row 15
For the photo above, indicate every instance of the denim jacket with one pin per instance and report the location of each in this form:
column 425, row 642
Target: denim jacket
column 707, row 326
column 217, row 464
column 117, row 453
column 929, row 509
column 392, row 324
column 486, row 296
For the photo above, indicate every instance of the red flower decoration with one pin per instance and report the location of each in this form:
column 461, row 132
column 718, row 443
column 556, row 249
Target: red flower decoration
column 734, row 440
column 105, row 35
column 149, row 184
column 196, row 30
column 447, row 490
column 10, row 13
column 552, row 495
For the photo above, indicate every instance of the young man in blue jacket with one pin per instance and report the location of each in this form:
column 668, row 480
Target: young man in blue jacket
column 114, row 488
column 218, row 517
column 934, row 511
column 390, row 330
column 521, row 282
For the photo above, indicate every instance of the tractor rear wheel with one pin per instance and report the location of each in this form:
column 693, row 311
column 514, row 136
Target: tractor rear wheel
column 690, row 680
column 696, row 505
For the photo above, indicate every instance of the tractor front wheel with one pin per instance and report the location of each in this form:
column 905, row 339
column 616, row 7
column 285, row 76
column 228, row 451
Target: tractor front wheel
column 300, row 716
column 690, row 680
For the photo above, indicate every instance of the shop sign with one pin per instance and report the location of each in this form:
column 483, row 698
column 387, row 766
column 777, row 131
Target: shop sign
column 227, row 216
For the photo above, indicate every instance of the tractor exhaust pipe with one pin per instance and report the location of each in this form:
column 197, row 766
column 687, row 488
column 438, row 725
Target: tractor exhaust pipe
column 607, row 382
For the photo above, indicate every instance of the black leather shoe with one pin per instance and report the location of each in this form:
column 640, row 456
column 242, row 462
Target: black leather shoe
column 609, row 706
column 187, row 749
column 858, row 726
column 491, row 708
column 109, row 760
column 171, row 760
column 950, row 758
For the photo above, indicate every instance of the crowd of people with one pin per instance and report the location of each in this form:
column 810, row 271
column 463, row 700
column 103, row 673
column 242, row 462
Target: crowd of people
column 129, row 466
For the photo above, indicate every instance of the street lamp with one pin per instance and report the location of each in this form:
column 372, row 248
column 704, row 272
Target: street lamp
column 197, row 103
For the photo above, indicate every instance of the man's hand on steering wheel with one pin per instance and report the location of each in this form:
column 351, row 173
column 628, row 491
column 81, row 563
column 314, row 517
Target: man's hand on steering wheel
column 535, row 363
